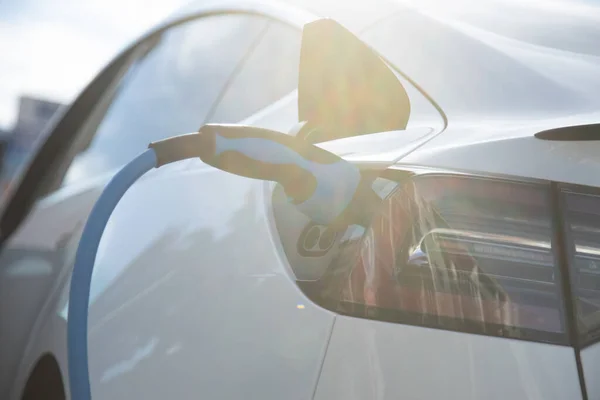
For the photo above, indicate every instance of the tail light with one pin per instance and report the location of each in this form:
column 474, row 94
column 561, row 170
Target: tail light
column 583, row 233
column 446, row 251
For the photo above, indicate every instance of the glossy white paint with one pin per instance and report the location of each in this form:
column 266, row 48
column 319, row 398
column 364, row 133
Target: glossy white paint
column 354, row 14
column 206, row 271
column 383, row 148
column 376, row 360
column 509, row 147
column 151, row 300
column 590, row 359
column 192, row 293
column 162, row 285
column 150, row 305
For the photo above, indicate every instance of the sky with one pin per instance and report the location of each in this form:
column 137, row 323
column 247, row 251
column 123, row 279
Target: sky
column 53, row 48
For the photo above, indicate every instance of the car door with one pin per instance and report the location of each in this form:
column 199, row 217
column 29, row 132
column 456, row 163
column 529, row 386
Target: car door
column 180, row 79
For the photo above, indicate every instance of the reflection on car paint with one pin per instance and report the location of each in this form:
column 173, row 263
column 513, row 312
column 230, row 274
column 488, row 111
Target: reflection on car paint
column 129, row 364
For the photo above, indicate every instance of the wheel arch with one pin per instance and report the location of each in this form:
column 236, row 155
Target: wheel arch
column 45, row 381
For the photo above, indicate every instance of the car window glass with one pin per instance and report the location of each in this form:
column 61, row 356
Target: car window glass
column 170, row 91
column 269, row 73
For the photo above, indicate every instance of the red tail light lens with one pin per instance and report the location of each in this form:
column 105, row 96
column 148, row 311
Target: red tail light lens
column 452, row 252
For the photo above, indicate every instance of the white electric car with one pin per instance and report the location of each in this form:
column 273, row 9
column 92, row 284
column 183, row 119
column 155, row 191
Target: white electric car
column 479, row 278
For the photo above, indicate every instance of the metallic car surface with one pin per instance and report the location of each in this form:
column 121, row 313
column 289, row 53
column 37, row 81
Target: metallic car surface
column 193, row 295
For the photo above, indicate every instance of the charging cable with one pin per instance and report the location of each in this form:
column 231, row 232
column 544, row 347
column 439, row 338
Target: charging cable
column 323, row 186
column 81, row 277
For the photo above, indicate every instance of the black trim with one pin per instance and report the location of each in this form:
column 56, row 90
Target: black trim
column 560, row 246
column 571, row 133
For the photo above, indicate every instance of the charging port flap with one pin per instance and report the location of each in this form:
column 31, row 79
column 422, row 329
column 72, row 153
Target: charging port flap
column 345, row 89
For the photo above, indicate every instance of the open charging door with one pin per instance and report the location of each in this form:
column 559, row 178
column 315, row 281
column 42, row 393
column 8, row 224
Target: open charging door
column 344, row 88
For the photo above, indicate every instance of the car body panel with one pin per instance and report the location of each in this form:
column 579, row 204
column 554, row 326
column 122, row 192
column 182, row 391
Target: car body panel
column 144, row 322
column 131, row 257
column 510, row 148
column 192, row 285
column 371, row 359
column 142, row 274
column 382, row 148
column 536, row 20
column 590, row 360
column 354, row 15
column 537, row 87
column 45, row 245
column 475, row 72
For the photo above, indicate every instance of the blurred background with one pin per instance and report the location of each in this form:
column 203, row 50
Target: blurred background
column 51, row 49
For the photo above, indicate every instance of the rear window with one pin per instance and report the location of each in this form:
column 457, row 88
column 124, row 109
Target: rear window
column 457, row 253
column 583, row 235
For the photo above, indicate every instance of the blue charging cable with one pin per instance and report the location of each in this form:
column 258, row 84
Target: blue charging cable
column 319, row 183
column 81, row 277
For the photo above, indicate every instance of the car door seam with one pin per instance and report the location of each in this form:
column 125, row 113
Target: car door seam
column 324, row 358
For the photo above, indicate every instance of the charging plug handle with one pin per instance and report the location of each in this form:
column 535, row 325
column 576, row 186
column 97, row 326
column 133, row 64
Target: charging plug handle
column 321, row 184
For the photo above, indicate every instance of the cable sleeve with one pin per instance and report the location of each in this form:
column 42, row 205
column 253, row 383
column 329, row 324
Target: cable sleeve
column 77, row 340
column 177, row 148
